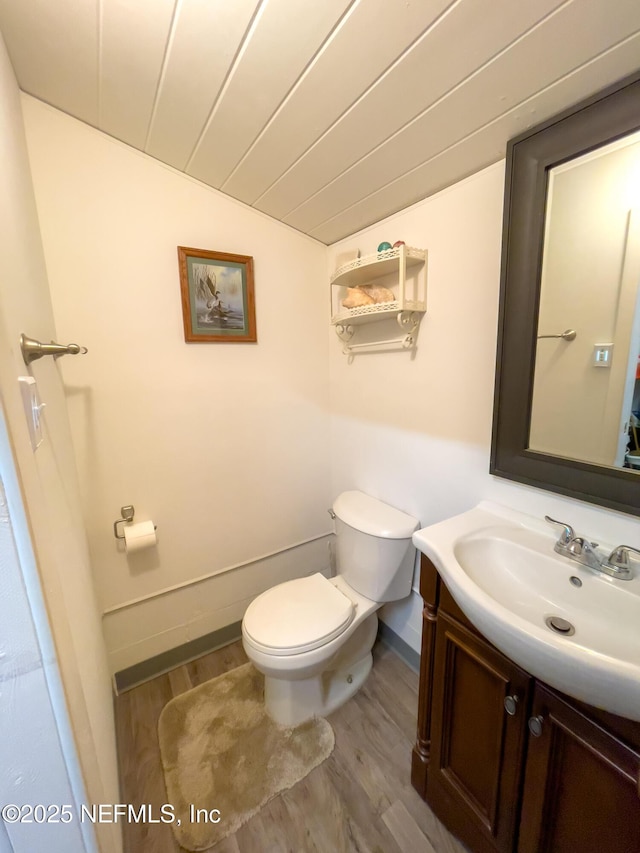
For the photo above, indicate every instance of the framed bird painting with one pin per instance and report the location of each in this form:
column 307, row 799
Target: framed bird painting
column 218, row 300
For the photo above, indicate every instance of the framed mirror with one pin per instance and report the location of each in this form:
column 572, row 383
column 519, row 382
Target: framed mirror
column 569, row 323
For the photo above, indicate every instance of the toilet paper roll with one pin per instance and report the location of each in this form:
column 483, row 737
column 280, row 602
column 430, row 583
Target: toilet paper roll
column 139, row 536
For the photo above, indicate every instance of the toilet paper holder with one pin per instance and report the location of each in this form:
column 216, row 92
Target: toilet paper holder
column 127, row 513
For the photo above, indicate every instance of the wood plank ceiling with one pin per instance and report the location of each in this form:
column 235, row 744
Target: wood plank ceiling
column 326, row 114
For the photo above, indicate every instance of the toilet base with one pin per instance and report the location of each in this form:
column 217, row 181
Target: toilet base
column 289, row 703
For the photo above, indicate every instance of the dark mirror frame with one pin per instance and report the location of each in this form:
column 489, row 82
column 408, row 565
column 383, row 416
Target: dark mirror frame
column 611, row 114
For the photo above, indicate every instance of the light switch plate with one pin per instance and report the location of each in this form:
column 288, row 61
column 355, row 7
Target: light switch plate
column 32, row 409
column 602, row 355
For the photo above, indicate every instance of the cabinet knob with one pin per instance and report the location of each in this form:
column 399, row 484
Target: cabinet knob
column 535, row 725
column 511, row 705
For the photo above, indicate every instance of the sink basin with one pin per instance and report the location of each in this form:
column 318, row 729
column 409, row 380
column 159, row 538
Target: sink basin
column 502, row 571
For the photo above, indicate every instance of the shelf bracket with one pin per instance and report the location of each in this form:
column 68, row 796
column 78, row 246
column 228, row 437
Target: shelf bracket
column 345, row 333
column 409, row 322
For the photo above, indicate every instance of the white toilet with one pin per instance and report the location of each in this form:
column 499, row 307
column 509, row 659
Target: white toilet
column 312, row 637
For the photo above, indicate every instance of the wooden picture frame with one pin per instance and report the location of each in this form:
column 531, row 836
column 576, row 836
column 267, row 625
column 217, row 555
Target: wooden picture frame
column 218, row 299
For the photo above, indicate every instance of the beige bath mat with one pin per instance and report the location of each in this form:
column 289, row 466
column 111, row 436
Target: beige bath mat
column 222, row 753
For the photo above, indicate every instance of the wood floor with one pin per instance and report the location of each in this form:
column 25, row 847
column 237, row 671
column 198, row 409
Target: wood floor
column 360, row 799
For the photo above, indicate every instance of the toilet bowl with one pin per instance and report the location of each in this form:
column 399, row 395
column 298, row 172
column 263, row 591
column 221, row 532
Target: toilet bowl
column 312, row 637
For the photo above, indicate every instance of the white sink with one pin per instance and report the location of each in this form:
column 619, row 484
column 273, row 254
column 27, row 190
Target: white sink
column 503, row 573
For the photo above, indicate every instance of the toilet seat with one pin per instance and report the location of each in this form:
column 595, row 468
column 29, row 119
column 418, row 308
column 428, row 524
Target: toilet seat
column 297, row 616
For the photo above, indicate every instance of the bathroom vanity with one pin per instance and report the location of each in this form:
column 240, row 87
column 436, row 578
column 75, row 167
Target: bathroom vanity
column 505, row 761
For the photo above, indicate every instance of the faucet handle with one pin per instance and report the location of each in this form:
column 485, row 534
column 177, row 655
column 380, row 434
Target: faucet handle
column 568, row 533
column 619, row 557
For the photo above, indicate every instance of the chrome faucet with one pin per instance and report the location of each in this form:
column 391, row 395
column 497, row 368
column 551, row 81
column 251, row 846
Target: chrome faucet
column 577, row 548
column 582, row 551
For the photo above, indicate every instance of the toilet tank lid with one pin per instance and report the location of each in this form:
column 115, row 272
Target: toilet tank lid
column 369, row 515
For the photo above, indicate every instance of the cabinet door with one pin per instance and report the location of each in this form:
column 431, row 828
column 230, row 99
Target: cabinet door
column 581, row 785
column 477, row 747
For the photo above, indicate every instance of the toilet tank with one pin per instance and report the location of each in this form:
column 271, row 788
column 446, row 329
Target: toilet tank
column 374, row 552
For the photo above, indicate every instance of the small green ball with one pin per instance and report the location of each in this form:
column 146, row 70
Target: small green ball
column 384, row 246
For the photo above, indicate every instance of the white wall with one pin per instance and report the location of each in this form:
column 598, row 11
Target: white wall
column 160, row 424
column 224, row 446
column 48, row 477
column 416, row 432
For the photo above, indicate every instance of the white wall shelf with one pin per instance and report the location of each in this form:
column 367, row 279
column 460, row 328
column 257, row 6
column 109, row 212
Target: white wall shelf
column 403, row 270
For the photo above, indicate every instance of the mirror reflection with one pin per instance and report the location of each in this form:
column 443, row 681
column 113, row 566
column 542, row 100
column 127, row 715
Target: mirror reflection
column 586, row 390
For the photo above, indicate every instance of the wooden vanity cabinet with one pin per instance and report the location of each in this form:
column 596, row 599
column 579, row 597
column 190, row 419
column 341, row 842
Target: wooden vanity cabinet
column 477, row 747
column 581, row 784
column 571, row 787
